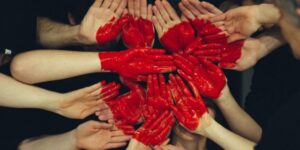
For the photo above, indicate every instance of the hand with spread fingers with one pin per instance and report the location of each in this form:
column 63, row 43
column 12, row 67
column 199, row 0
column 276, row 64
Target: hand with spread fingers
column 139, row 31
column 199, row 14
column 97, row 135
column 103, row 23
column 173, row 33
column 158, row 96
column 187, row 109
column 135, row 64
column 202, row 75
column 154, row 131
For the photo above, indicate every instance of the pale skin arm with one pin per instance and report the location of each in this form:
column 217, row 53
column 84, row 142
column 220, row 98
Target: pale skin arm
column 48, row 65
column 76, row 104
column 88, row 135
column 238, row 120
column 223, row 137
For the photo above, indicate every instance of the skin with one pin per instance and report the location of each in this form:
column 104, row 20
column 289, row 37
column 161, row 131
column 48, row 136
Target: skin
column 88, row 135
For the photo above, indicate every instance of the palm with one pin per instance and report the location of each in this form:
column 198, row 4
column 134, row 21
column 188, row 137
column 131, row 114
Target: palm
column 249, row 55
column 91, row 139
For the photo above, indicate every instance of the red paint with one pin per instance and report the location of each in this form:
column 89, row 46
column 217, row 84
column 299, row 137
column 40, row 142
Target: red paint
column 231, row 53
column 110, row 31
column 187, row 108
column 134, row 64
column 178, row 37
column 138, row 33
column 156, row 129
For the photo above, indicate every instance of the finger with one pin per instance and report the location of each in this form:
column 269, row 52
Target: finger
column 97, row 3
column 137, row 8
column 191, row 7
column 102, row 105
column 100, row 125
column 149, row 12
column 114, row 145
column 192, row 85
column 183, row 87
column 198, row 5
column 218, row 18
column 163, row 87
column 121, row 8
column 186, row 12
column 211, row 8
column 157, row 26
column 173, row 88
column 236, row 37
column 155, row 85
column 106, row 3
column 162, row 11
column 144, row 9
column 170, row 10
column 158, row 16
column 183, row 63
column 115, row 5
column 131, row 7
column 150, row 88
column 118, row 139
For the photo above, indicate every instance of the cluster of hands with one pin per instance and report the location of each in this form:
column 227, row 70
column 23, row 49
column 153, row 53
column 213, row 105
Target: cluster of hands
column 198, row 45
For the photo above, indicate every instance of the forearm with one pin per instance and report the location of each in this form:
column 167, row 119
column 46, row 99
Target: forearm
column 53, row 34
column 267, row 14
column 238, row 120
column 225, row 138
column 48, row 65
column 271, row 40
column 19, row 95
column 65, row 141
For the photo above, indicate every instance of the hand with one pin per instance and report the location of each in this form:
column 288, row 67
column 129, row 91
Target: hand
column 134, row 145
column 139, row 31
column 188, row 109
column 155, row 129
column 199, row 14
column 173, row 34
column 126, row 109
column 101, row 24
column 84, row 102
column 158, row 96
column 250, row 54
column 96, row 135
column 168, row 147
column 230, row 54
column 134, row 64
column 202, row 75
column 240, row 22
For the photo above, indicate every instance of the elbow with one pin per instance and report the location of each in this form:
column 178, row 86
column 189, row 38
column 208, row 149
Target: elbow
column 20, row 69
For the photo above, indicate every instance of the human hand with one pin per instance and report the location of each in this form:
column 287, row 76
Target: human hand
column 173, row 33
column 202, row 75
column 188, row 109
column 155, row 130
column 84, row 102
column 96, row 135
column 134, row 64
column 199, row 14
column 158, row 96
column 240, row 22
column 102, row 23
column 139, row 31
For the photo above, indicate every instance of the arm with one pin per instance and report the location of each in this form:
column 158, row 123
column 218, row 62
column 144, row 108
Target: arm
column 53, row 34
column 76, row 104
column 238, row 120
column 222, row 136
column 88, row 135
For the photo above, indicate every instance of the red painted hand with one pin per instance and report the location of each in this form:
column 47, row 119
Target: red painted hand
column 187, row 109
column 134, row 64
column 201, row 74
column 158, row 96
column 231, row 53
column 156, row 129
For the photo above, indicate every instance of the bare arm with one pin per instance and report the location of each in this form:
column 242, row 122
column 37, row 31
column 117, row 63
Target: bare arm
column 76, row 104
column 52, row 34
column 47, row 65
column 222, row 136
column 238, row 120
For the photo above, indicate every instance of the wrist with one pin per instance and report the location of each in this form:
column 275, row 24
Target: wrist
column 203, row 124
column 71, row 140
